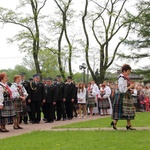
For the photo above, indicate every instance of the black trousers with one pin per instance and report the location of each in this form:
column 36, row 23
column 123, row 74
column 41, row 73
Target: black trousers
column 60, row 106
column 49, row 110
column 36, row 111
column 44, row 110
column 69, row 109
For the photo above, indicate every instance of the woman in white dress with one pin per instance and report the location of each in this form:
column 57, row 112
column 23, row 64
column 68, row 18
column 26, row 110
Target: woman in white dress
column 81, row 95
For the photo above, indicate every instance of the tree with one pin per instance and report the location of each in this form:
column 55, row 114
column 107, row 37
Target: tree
column 106, row 24
column 62, row 25
column 140, row 44
column 48, row 63
column 30, row 35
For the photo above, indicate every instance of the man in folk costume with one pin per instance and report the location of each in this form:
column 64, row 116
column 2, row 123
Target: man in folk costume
column 69, row 97
column 50, row 101
column 59, row 98
column 94, row 92
column 36, row 98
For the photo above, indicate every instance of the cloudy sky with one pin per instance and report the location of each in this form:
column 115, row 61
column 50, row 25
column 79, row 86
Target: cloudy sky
column 10, row 55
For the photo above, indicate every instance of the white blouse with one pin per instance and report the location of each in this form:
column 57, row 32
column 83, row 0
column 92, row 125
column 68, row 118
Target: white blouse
column 122, row 84
column 82, row 95
column 15, row 93
column 1, row 94
column 95, row 89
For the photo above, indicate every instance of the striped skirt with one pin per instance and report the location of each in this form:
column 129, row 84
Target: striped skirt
column 123, row 107
column 18, row 106
column 103, row 103
column 7, row 113
column 91, row 102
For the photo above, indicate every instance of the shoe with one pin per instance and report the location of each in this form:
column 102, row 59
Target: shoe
column 20, row 127
column 64, row 119
column 4, row 130
column 16, row 128
column 130, row 128
column 47, row 121
column 114, row 125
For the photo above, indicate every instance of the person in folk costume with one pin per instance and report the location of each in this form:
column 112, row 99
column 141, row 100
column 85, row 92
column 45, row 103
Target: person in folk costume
column 81, row 95
column 7, row 112
column 95, row 91
column 25, row 103
column 44, row 81
column 107, row 96
column 50, row 101
column 90, row 99
column 36, row 98
column 69, row 97
column 104, row 104
column 19, row 95
column 59, row 98
column 123, row 108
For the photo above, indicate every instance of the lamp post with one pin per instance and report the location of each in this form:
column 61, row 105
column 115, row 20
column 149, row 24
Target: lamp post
column 83, row 67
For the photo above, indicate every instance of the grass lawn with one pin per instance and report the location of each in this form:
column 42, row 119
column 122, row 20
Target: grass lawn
column 141, row 120
column 79, row 140
column 84, row 140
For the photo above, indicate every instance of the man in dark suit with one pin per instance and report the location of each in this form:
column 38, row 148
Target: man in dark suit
column 50, row 101
column 69, row 97
column 36, row 97
column 59, row 98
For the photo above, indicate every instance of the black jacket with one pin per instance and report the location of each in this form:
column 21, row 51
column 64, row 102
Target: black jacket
column 70, row 91
column 36, row 91
column 59, row 91
column 49, row 91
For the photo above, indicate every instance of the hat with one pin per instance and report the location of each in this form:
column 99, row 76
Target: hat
column 22, row 74
column 58, row 76
column 69, row 77
column 36, row 75
column 49, row 78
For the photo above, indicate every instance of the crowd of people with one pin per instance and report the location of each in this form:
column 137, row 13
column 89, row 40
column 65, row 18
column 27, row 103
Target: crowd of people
column 23, row 101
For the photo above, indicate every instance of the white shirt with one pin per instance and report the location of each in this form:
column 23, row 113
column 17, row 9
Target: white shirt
column 1, row 94
column 107, row 92
column 82, row 95
column 15, row 93
column 95, row 89
column 122, row 84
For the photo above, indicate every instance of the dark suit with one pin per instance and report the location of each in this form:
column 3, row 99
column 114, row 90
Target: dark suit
column 69, row 94
column 58, row 96
column 25, row 114
column 49, row 106
column 36, row 95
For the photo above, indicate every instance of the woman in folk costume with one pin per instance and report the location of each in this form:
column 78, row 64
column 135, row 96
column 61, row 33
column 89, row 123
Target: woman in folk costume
column 90, row 99
column 19, row 95
column 6, row 105
column 123, row 108
column 95, row 91
column 103, row 100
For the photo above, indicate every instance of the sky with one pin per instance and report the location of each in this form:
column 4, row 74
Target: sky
column 10, row 55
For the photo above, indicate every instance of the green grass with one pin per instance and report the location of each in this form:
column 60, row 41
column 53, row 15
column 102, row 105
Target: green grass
column 78, row 140
column 141, row 120
column 85, row 140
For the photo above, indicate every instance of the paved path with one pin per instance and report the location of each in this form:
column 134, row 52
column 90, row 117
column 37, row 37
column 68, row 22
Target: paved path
column 43, row 126
column 49, row 127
